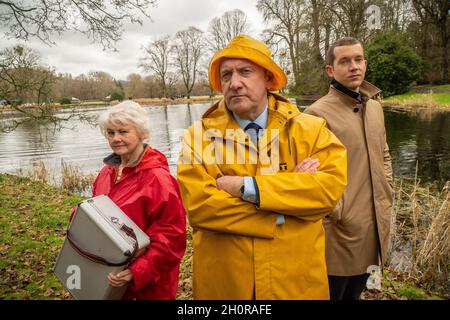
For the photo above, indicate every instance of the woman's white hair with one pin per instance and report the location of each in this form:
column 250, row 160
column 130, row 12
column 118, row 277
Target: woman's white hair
column 126, row 113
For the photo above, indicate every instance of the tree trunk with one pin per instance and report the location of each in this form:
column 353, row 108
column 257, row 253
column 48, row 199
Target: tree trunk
column 444, row 39
column 316, row 30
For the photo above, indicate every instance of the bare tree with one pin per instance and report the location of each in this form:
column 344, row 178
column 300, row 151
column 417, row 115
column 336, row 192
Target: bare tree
column 435, row 13
column 102, row 84
column 156, row 60
column 22, row 76
column 287, row 18
column 96, row 85
column 316, row 12
column 45, row 83
column 100, row 20
column 351, row 17
column 134, row 86
column 222, row 29
column 188, row 49
column 82, row 88
column 396, row 14
column 172, row 80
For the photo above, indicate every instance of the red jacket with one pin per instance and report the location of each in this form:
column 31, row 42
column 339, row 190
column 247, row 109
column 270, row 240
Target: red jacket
column 150, row 196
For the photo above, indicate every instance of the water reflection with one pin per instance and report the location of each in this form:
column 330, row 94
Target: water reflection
column 81, row 144
column 421, row 136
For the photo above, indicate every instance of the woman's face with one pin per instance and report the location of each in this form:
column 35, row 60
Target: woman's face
column 123, row 139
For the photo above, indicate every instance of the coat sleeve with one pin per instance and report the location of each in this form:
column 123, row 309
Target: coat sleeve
column 215, row 210
column 167, row 232
column 308, row 196
column 388, row 166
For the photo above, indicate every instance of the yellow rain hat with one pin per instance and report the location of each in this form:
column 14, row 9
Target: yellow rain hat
column 245, row 47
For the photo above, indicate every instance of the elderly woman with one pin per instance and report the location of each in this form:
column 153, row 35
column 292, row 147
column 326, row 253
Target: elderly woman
column 137, row 178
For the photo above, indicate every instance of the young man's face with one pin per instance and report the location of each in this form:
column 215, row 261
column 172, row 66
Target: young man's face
column 349, row 66
column 244, row 86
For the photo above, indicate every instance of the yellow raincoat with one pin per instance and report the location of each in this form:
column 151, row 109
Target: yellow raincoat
column 239, row 251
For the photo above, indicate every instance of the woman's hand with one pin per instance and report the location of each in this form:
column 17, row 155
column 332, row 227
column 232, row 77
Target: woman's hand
column 120, row 279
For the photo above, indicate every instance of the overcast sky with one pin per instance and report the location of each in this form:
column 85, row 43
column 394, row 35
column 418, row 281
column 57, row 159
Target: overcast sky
column 74, row 53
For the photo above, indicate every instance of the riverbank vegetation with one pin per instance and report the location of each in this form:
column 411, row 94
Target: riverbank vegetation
column 34, row 216
column 437, row 96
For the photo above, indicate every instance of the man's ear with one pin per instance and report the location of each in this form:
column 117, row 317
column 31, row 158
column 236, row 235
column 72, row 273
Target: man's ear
column 269, row 80
column 329, row 70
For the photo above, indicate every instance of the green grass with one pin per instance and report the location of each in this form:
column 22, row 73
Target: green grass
column 33, row 219
column 405, row 289
column 441, row 98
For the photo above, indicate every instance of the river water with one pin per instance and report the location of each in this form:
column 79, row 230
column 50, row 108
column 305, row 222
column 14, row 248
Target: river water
column 421, row 136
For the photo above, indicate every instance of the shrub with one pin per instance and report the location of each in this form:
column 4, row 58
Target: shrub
column 393, row 65
column 116, row 96
column 65, row 100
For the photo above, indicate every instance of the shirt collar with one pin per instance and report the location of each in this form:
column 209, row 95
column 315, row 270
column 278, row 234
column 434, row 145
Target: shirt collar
column 261, row 120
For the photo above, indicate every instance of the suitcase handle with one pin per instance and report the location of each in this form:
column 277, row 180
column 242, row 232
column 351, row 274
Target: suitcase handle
column 129, row 231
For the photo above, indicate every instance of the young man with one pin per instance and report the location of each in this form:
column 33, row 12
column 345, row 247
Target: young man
column 257, row 224
column 357, row 231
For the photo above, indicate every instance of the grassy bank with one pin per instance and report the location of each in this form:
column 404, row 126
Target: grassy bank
column 33, row 219
column 34, row 216
column 422, row 96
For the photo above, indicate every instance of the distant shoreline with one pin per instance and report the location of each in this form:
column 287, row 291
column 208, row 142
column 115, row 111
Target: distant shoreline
column 429, row 97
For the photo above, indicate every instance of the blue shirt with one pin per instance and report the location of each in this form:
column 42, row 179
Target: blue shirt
column 250, row 193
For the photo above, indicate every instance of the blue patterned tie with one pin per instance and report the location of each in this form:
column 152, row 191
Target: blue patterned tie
column 253, row 129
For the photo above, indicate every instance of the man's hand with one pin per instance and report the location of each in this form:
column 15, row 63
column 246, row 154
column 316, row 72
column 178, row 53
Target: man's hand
column 231, row 184
column 307, row 165
column 120, row 279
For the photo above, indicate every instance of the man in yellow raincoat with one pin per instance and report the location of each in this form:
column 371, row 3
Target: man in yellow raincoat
column 257, row 177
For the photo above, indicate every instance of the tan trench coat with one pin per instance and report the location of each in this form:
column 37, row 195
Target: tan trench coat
column 357, row 231
column 239, row 251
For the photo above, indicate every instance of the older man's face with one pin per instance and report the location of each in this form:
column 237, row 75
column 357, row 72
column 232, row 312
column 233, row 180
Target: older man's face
column 244, row 87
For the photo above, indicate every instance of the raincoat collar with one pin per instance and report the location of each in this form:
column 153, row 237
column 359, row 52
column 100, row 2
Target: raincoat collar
column 280, row 110
column 367, row 91
column 339, row 86
column 149, row 158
